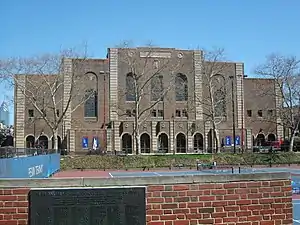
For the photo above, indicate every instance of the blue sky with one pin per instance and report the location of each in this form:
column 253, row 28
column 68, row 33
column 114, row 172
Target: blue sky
column 247, row 30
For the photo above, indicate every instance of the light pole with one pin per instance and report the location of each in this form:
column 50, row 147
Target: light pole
column 233, row 113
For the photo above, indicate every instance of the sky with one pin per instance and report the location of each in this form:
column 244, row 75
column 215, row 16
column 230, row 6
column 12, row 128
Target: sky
column 247, row 30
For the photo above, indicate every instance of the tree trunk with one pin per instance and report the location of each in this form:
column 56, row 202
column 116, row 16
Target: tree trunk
column 292, row 141
column 55, row 139
column 215, row 138
column 137, row 136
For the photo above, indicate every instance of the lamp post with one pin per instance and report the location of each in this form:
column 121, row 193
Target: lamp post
column 233, row 113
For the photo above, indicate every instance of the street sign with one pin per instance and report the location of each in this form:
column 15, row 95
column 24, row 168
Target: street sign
column 237, row 140
column 85, row 142
column 228, row 141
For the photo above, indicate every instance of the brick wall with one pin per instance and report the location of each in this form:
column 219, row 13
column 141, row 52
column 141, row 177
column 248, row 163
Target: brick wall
column 236, row 202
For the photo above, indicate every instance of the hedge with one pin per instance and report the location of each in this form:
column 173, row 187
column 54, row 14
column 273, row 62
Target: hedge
column 97, row 162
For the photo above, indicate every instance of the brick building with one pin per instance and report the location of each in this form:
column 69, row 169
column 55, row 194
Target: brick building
column 178, row 122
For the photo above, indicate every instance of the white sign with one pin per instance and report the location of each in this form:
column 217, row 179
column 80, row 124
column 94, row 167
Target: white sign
column 36, row 170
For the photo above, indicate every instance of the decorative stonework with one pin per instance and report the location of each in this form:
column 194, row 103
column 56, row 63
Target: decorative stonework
column 198, row 84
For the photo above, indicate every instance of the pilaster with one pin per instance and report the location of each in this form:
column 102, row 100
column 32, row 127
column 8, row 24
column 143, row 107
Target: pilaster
column 190, row 147
column 153, row 136
column 117, row 140
column 172, row 140
column 249, row 140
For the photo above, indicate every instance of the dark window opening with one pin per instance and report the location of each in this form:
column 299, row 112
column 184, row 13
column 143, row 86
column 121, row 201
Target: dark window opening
column 31, row 113
column 160, row 113
column 128, row 113
column 270, row 113
column 91, row 104
column 153, row 113
column 259, row 113
column 184, row 113
column 181, row 87
column 178, row 113
column 130, row 87
column 249, row 113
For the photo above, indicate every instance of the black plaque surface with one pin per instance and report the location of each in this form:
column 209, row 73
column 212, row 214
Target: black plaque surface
column 98, row 206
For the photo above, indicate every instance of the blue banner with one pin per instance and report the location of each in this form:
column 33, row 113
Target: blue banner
column 85, row 142
column 40, row 166
column 228, row 141
column 237, row 140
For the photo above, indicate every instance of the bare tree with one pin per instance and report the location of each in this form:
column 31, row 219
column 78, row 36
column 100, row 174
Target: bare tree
column 214, row 67
column 285, row 72
column 43, row 82
column 146, row 86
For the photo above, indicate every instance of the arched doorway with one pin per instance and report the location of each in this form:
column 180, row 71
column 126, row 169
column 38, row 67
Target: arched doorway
column 145, row 143
column 163, row 143
column 180, row 143
column 271, row 137
column 59, row 144
column 198, row 142
column 30, row 141
column 260, row 140
column 43, row 142
column 127, row 144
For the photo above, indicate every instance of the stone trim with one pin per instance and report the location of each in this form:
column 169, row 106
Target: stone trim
column 137, row 181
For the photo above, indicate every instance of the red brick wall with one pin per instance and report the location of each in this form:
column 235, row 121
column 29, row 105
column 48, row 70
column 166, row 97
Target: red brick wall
column 247, row 203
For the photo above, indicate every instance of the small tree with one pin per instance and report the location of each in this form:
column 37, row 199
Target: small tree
column 43, row 82
column 284, row 71
column 214, row 103
column 145, row 84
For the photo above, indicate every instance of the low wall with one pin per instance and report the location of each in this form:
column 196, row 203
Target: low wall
column 40, row 166
column 249, row 199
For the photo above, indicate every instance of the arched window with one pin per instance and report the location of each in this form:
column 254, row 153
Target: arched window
column 91, row 103
column 130, row 87
column 157, row 88
column 219, row 96
column 181, row 87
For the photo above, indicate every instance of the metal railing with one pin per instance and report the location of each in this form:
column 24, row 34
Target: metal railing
column 10, row 152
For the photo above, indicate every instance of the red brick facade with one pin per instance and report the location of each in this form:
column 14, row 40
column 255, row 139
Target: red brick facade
column 242, row 202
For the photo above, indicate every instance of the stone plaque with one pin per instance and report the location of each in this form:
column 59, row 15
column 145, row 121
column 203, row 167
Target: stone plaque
column 88, row 206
